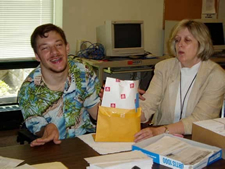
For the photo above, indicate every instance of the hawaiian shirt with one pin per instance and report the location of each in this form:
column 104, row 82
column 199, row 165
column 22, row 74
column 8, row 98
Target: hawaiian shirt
column 66, row 109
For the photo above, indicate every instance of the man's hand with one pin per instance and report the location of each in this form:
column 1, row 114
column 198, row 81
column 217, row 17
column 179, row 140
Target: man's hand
column 51, row 133
column 141, row 92
column 101, row 92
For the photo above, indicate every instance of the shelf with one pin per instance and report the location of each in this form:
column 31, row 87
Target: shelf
column 130, row 70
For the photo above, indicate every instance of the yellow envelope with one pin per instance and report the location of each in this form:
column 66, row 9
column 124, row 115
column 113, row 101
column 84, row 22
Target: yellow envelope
column 117, row 125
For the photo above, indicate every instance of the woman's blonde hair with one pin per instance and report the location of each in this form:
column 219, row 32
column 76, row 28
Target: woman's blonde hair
column 200, row 33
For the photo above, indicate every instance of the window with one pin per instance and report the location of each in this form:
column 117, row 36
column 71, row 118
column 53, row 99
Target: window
column 18, row 20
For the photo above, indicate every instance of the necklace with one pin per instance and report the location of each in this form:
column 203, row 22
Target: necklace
column 59, row 88
column 182, row 102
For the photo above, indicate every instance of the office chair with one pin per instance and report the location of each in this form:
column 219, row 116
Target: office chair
column 24, row 135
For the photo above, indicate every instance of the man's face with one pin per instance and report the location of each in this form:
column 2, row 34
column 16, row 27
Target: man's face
column 52, row 52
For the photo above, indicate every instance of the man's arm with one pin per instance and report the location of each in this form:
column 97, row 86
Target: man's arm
column 94, row 111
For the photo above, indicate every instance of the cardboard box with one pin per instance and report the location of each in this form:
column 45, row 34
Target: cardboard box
column 166, row 161
column 207, row 132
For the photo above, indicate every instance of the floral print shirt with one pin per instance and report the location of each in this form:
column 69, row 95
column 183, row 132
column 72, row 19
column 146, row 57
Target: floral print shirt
column 68, row 109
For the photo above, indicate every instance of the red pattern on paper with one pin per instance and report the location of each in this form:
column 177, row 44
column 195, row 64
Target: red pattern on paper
column 113, row 105
column 107, row 89
column 132, row 85
column 123, row 96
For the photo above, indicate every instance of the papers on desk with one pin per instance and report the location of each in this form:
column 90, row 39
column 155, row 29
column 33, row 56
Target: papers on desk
column 6, row 163
column 179, row 150
column 178, row 153
column 10, row 163
column 127, row 160
column 106, row 147
column 52, row 165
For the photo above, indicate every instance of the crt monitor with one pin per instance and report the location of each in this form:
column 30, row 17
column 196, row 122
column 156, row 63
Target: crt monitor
column 121, row 38
column 216, row 29
column 216, row 32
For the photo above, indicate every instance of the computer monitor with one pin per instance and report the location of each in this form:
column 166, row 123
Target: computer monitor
column 121, row 38
column 216, row 29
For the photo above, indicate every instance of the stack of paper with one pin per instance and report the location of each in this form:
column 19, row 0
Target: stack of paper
column 176, row 152
column 127, row 160
column 106, row 147
column 179, row 150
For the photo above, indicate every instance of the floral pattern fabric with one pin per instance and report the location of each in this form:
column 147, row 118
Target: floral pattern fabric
column 68, row 109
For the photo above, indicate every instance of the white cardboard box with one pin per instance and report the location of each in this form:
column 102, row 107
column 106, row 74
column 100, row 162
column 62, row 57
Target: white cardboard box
column 163, row 160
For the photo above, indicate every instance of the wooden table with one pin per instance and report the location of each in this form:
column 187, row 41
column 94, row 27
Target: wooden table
column 71, row 152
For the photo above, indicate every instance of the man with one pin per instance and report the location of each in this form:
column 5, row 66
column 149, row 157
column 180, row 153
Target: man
column 58, row 96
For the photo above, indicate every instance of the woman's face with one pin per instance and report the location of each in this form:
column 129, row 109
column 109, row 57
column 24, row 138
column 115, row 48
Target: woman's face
column 186, row 48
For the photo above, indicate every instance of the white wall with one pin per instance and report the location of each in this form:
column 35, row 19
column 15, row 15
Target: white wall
column 81, row 17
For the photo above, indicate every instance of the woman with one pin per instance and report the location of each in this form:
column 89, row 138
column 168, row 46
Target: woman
column 184, row 89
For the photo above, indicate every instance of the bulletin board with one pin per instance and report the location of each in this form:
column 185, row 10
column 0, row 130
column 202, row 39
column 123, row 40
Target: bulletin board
column 183, row 9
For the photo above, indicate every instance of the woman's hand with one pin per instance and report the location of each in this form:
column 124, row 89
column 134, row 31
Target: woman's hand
column 148, row 132
column 176, row 129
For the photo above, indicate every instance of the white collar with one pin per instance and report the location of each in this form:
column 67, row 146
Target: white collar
column 190, row 71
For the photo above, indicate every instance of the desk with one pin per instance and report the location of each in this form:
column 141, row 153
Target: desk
column 71, row 152
column 137, row 65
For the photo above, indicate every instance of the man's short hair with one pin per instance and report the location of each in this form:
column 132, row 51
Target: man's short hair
column 200, row 32
column 42, row 30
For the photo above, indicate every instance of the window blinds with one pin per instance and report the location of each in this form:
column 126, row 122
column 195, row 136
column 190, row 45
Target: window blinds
column 18, row 19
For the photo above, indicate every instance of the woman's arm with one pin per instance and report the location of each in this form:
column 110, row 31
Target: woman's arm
column 175, row 128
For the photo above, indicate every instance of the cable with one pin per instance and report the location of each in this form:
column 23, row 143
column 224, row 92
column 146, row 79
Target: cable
column 94, row 51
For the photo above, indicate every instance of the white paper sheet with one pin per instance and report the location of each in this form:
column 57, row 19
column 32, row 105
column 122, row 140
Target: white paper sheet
column 126, row 160
column 6, row 163
column 120, row 93
column 51, row 165
column 106, row 147
column 179, row 150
